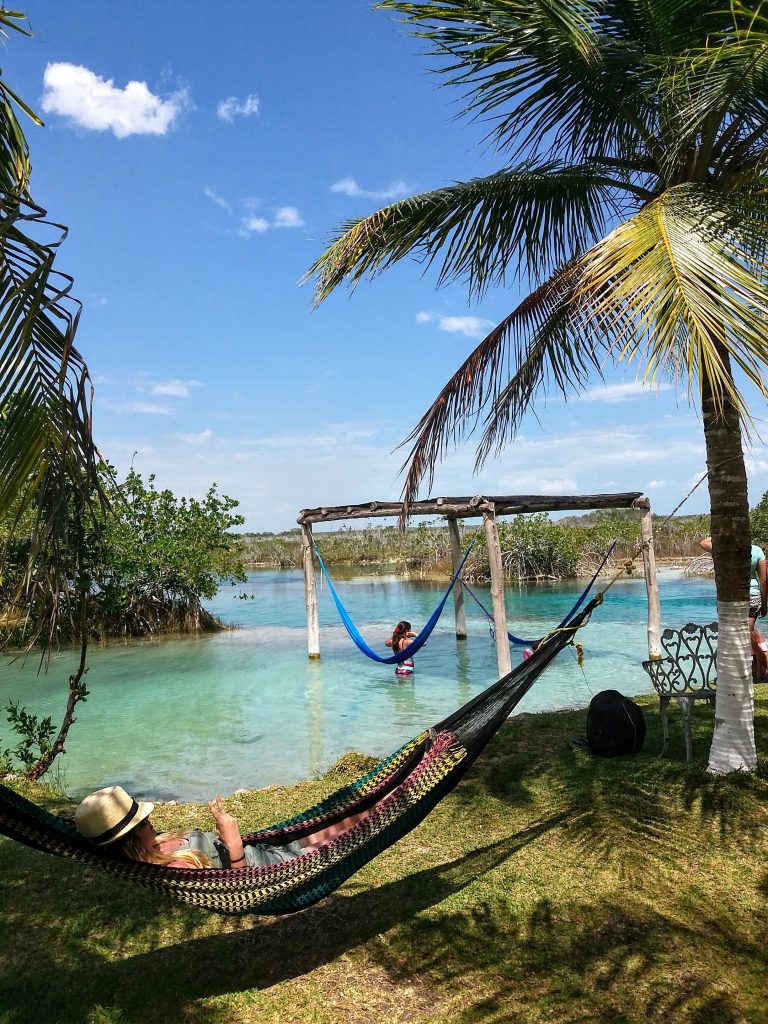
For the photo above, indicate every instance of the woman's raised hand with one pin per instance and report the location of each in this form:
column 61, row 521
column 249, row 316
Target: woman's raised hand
column 227, row 826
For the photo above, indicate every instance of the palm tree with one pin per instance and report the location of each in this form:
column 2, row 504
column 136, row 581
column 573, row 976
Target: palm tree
column 633, row 198
column 46, row 444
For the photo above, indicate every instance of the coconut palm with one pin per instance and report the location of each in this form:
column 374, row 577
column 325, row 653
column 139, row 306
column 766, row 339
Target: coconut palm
column 46, row 446
column 633, row 198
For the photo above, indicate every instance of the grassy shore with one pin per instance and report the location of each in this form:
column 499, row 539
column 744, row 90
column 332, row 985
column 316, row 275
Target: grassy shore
column 550, row 888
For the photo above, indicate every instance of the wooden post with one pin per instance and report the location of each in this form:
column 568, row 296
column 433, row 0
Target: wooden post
column 651, row 582
column 503, row 659
column 458, row 593
column 310, row 592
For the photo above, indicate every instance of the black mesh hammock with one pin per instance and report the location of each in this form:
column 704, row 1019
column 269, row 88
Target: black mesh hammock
column 399, row 793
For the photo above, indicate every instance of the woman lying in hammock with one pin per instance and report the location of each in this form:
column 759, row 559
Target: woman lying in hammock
column 110, row 817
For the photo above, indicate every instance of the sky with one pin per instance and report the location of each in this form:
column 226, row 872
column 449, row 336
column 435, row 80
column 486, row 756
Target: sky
column 202, row 158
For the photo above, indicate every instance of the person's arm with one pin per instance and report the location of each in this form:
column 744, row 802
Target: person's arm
column 706, row 545
column 229, row 832
column 762, row 579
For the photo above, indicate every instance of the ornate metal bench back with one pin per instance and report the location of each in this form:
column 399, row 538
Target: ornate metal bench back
column 690, row 662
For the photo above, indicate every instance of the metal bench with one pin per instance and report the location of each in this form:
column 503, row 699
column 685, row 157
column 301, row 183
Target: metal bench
column 687, row 672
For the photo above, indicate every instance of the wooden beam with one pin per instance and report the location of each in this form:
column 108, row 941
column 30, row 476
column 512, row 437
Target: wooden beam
column 458, row 592
column 503, row 659
column 470, row 508
column 310, row 593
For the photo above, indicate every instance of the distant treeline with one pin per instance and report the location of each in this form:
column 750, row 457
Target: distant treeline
column 533, row 546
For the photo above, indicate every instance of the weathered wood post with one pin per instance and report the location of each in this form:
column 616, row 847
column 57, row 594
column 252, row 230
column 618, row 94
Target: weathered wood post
column 310, row 591
column 651, row 582
column 458, row 593
column 503, row 659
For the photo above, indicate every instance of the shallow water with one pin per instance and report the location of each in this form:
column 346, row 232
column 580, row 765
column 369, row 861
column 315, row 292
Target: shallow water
column 182, row 718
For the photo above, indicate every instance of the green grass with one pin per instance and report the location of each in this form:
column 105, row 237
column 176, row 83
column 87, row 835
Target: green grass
column 550, row 888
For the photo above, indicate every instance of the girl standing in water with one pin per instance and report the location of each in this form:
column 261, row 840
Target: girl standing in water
column 400, row 639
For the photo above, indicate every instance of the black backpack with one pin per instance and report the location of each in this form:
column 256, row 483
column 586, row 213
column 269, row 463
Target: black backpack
column 615, row 725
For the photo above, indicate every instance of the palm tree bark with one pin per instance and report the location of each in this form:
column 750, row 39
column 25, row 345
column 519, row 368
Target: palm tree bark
column 733, row 742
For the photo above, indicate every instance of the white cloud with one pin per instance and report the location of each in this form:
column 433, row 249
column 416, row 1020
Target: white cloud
column 284, row 217
column 275, row 475
column 96, row 103
column 621, row 392
column 334, row 438
column 144, row 408
column 288, row 217
column 469, row 326
column 174, row 388
column 232, row 107
column 540, row 481
column 194, row 440
column 252, row 224
column 349, row 187
column 219, row 200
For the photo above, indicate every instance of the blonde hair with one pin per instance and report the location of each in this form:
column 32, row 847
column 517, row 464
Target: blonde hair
column 134, row 848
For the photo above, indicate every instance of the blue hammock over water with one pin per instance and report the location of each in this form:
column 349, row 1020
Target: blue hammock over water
column 416, row 644
column 516, row 640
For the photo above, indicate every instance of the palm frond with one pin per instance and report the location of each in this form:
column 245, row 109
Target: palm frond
column 46, row 443
column 556, row 78
column 660, row 28
column 678, row 280
column 530, row 339
column 12, row 20
column 716, row 94
column 529, row 218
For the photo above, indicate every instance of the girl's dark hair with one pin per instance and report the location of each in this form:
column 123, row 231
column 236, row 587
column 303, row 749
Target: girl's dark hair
column 398, row 633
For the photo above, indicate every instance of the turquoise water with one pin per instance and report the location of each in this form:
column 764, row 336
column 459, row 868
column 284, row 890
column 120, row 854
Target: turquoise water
column 186, row 717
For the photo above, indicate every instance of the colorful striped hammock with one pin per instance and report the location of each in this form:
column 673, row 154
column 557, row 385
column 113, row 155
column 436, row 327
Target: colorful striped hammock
column 398, row 793
column 416, row 644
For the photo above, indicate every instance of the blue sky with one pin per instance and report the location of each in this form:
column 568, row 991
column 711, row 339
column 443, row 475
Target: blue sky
column 202, row 157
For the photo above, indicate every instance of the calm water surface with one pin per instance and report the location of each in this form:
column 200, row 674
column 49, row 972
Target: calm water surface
column 184, row 718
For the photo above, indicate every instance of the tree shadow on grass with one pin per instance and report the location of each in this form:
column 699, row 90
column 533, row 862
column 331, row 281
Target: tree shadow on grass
column 602, row 964
column 623, row 807
column 492, row 959
column 68, row 974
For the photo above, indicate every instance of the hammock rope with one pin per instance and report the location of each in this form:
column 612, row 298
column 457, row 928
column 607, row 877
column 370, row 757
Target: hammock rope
column 416, row 644
column 516, row 640
column 397, row 794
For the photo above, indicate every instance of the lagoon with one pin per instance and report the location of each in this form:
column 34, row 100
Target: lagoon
column 185, row 717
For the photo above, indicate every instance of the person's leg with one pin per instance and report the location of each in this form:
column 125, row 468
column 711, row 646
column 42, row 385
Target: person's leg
column 326, row 834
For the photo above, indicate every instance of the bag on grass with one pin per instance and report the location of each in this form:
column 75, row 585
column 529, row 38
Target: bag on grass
column 615, row 725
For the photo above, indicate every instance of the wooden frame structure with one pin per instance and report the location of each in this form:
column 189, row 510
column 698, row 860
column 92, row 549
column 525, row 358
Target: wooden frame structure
column 489, row 508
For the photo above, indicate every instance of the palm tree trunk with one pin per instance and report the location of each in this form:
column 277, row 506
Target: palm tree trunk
column 733, row 742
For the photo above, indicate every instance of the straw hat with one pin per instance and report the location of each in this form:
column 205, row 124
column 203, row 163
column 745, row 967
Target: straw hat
column 108, row 814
